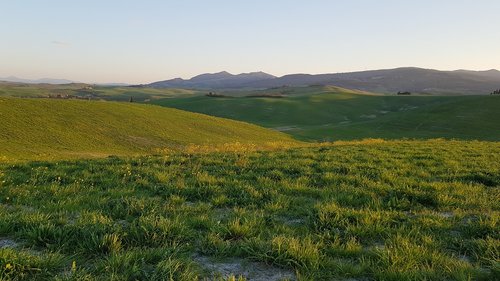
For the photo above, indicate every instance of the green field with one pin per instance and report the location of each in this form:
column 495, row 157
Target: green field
column 52, row 129
column 329, row 113
column 104, row 190
column 315, row 113
column 372, row 210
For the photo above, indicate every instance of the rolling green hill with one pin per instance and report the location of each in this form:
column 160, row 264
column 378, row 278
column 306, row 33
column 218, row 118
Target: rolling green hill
column 329, row 113
column 51, row 128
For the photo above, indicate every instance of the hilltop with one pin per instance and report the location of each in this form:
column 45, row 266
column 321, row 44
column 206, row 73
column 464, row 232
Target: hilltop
column 222, row 79
column 48, row 128
column 417, row 80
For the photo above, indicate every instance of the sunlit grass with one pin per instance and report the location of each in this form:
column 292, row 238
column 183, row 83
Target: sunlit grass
column 375, row 210
column 45, row 129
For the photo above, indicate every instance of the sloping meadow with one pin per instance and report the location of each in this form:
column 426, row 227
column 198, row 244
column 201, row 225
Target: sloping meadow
column 53, row 129
column 373, row 210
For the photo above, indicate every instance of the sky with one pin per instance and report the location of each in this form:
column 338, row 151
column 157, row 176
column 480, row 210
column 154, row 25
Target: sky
column 102, row 41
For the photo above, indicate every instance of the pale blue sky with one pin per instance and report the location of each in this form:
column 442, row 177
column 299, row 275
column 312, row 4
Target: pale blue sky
column 148, row 40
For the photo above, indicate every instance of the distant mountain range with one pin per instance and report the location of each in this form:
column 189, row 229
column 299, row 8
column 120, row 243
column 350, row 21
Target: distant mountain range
column 220, row 80
column 37, row 81
column 407, row 79
column 417, row 80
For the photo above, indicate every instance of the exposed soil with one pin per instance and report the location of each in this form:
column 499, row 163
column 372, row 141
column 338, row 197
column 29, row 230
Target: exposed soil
column 252, row 271
column 7, row 243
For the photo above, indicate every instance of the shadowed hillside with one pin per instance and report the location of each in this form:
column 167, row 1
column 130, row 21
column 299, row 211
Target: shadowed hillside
column 328, row 113
column 416, row 80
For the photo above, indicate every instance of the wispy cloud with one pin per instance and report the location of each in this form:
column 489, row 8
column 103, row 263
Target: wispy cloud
column 60, row 43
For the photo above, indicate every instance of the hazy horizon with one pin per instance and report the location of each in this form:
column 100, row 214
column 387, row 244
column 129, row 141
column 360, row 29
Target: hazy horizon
column 141, row 42
column 189, row 77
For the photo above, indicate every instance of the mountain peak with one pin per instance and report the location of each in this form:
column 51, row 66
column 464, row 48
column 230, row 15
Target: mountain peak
column 211, row 76
column 218, row 80
column 256, row 76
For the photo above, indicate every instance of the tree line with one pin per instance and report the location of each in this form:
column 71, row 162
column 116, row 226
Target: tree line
column 496, row 92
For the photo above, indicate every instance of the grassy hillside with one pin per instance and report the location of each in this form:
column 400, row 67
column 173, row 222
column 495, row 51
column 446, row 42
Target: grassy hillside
column 45, row 128
column 319, row 113
column 116, row 93
column 399, row 210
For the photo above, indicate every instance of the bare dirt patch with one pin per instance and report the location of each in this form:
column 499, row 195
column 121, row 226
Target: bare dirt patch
column 292, row 222
column 408, row 107
column 285, row 128
column 7, row 243
column 378, row 246
column 465, row 258
column 446, row 215
column 252, row 271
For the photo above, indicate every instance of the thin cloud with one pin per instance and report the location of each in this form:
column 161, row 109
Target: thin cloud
column 60, row 43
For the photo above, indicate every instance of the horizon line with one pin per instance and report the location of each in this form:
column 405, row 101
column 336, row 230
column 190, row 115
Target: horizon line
column 70, row 81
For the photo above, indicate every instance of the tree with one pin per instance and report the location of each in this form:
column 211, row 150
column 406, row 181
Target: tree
column 131, row 99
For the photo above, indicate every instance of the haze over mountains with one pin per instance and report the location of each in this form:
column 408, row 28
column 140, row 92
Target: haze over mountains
column 411, row 79
column 53, row 81
column 36, row 81
column 417, row 80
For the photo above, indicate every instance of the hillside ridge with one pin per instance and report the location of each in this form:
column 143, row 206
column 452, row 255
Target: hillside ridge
column 48, row 128
column 413, row 79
